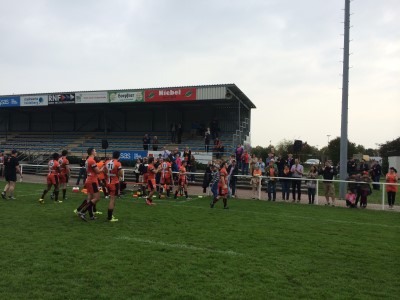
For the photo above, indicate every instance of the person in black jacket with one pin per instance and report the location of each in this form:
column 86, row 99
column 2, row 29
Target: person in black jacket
column 207, row 177
column 376, row 172
column 82, row 170
column 232, row 179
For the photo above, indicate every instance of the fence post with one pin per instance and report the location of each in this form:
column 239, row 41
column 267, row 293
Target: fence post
column 317, row 191
column 259, row 188
column 383, row 196
column 123, row 174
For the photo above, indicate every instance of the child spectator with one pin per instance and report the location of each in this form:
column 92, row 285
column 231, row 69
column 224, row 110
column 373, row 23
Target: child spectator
column 351, row 199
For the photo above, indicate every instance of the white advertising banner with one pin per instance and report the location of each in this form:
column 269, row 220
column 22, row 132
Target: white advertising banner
column 34, row 100
column 91, row 97
column 128, row 96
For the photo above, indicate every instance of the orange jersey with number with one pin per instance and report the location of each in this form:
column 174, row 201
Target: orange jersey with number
column 90, row 169
column 165, row 170
column 53, row 166
column 182, row 173
column 112, row 166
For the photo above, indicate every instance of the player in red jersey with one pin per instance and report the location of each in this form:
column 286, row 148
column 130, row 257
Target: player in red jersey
column 182, row 180
column 222, row 186
column 166, row 176
column 64, row 172
column 113, row 171
column 92, row 186
column 52, row 178
column 151, row 180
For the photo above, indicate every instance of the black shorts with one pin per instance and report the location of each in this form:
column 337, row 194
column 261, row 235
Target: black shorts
column 11, row 177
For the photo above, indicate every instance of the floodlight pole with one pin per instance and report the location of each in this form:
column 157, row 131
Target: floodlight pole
column 345, row 100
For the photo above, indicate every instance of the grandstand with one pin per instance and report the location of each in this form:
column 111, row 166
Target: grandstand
column 39, row 124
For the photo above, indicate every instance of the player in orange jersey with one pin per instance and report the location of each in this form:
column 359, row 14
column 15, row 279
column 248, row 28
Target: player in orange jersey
column 113, row 170
column 102, row 176
column 151, row 180
column 166, row 176
column 182, row 180
column 52, row 178
column 64, row 173
column 92, row 186
column 222, row 186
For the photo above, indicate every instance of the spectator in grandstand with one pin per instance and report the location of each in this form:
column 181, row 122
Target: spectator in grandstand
column 218, row 148
column 245, row 163
column 365, row 189
column 207, row 138
column 232, row 179
column 155, row 143
column 255, row 181
column 82, row 170
column 214, row 128
column 376, row 172
column 391, row 189
column 187, row 153
column 285, row 182
column 207, row 176
column 1, row 163
column 289, row 160
column 238, row 154
column 311, row 184
column 179, row 132
column 136, row 170
column 11, row 168
column 146, row 142
column 173, row 132
column 271, row 172
column 297, row 171
column 165, row 153
column 328, row 173
column 52, row 178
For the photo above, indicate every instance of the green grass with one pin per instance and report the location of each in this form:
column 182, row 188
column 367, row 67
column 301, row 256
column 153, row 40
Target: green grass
column 184, row 249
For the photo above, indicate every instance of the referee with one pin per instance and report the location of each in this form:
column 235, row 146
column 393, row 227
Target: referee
column 11, row 168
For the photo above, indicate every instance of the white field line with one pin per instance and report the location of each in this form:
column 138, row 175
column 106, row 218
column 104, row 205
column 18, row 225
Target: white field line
column 288, row 215
column 177, row 246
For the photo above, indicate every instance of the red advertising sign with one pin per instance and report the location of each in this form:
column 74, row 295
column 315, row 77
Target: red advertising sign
column 169, row 95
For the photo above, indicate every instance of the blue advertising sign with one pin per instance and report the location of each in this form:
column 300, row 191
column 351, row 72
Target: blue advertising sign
column 10, row 101
column 132, row 155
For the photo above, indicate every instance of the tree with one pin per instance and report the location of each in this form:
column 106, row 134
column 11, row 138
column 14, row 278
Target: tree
column 333, row 150
column 391, row 148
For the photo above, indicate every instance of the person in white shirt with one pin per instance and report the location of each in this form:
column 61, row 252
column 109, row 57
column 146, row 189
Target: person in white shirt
column 297, row 172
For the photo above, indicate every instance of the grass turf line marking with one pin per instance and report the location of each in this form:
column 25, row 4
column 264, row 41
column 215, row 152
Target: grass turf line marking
column 178, row 246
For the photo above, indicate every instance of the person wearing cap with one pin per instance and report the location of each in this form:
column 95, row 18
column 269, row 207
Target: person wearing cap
column 11, row 168
column 391, row 189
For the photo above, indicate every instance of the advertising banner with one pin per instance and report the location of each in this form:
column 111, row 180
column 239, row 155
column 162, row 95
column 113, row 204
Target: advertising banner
column 62, row 99
column 91, row 97
column 126, row 96
column 9, row 101
column 132, row 155
column 169, row 95
column 35, row 100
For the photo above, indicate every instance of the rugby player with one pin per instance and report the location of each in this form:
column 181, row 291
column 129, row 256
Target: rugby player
column 52, row 178
column 113, row 171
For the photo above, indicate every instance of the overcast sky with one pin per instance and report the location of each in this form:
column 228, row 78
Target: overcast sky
column 285, row 55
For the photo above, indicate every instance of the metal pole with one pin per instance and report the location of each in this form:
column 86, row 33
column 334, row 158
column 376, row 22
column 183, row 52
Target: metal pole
column 383, row 196
column 345, row 98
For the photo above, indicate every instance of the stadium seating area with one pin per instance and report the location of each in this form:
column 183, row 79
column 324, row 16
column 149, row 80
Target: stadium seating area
column 37, row 146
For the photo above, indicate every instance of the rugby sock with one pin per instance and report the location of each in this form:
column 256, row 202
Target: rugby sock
column 94, row 209
column 84, row 203
column 225, row 202
column 64, row 191
column 168, row 191
column 110, row 213
column 44, row 194
column 56, row 195
column 176, row 195
column 186, row 195
column 90, row 209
